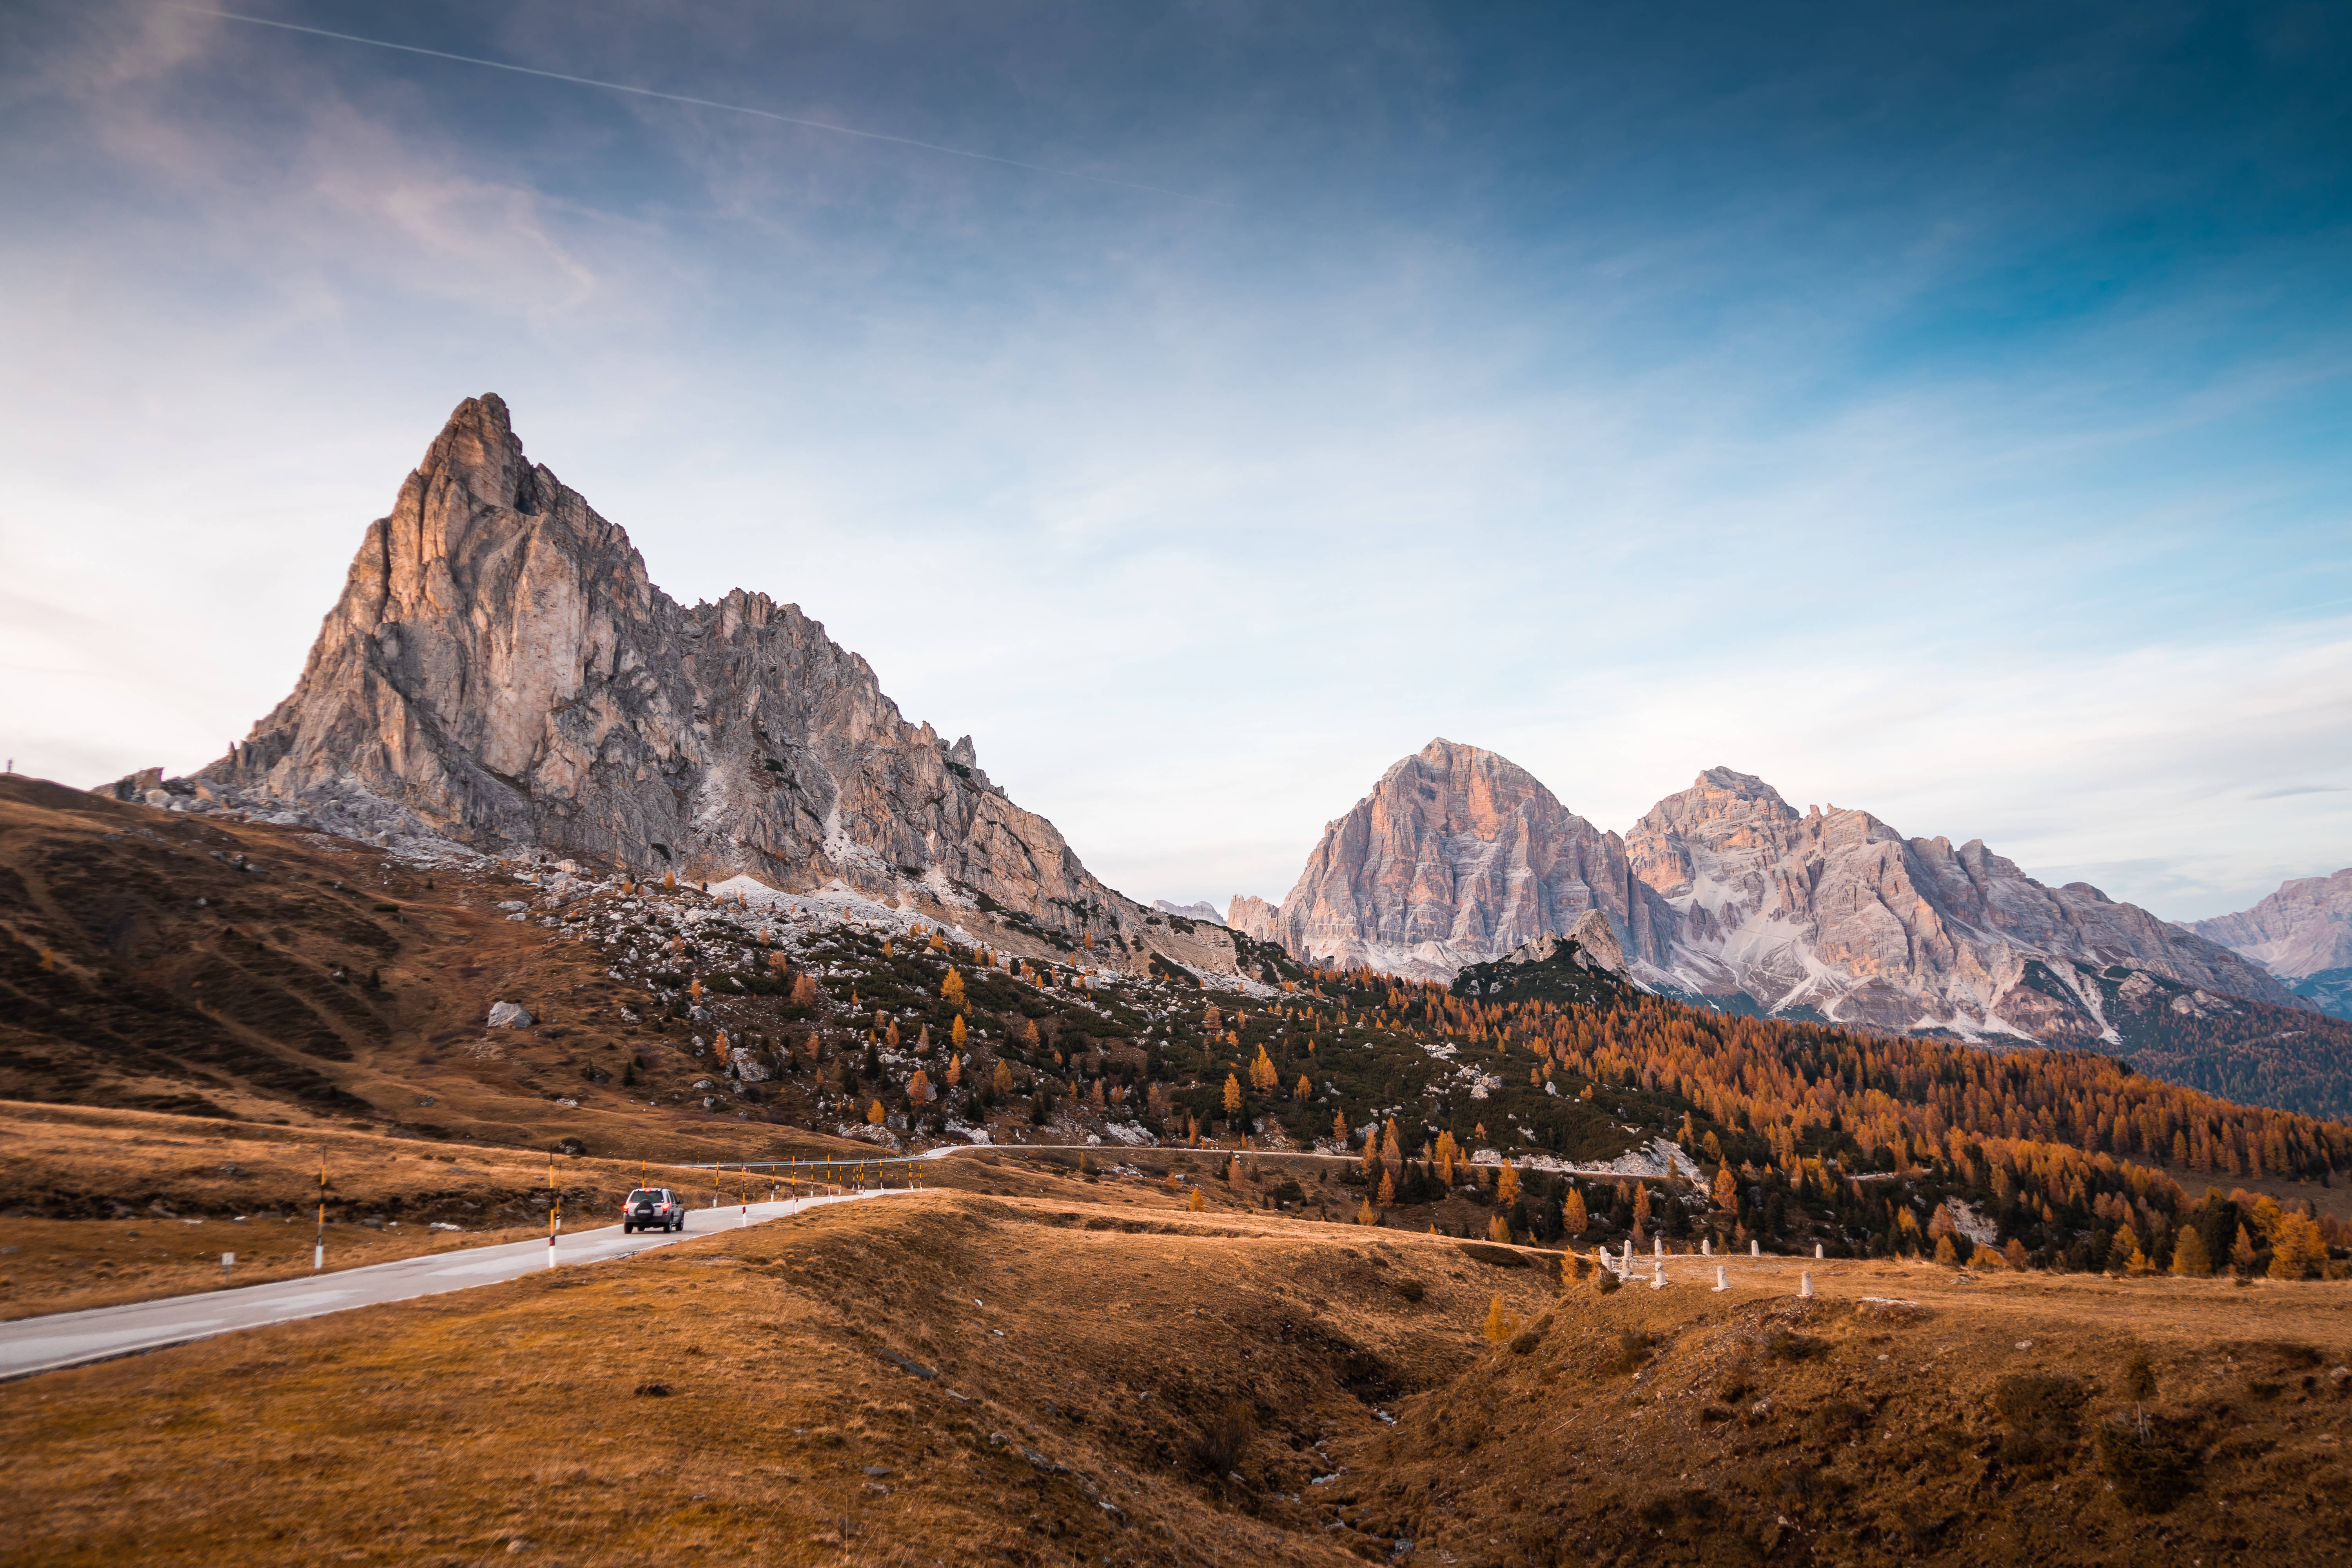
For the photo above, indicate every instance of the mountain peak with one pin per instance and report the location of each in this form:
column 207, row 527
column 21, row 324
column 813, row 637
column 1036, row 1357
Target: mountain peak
column 1730, row 781
column 1457, row 856
column 501, row 672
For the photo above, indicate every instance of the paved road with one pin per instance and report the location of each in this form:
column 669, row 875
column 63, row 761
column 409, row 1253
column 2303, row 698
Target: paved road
column 64, row 1339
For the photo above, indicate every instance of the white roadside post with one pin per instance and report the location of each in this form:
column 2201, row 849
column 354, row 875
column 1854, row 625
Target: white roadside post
column 1721, row 1283
column 229, row 1261
column 1817, row 1252
column 1755, row 1249
column 1805, row 1283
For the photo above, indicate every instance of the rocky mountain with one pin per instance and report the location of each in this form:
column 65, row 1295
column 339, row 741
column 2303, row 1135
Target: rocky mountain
column 1200, row 910
column 501, row 672
column 2302, row 933
column 1253, row 917
column 1835, row 913
column 1457, row 856
column 1724, row 892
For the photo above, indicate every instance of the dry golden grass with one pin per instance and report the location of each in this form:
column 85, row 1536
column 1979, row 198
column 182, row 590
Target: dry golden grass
column 1022, row 1344
column 171, row 1189
column 444, row 1429
column 1682, row 1426
column 66, row 1266
column 1092, row 1343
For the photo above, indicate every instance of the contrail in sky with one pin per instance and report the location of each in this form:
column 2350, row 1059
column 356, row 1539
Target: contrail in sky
column 696, row 102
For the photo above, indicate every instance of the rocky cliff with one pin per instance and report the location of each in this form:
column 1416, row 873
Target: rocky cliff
column 1724, row 891
column 2303, row 929
column 1835, row 913
column 1457, row 856
column 500, row 670
column 1255, row 917
column 2302, row 933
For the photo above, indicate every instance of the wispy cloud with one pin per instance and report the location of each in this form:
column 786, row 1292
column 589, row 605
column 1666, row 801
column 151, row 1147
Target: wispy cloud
column 1620, row 404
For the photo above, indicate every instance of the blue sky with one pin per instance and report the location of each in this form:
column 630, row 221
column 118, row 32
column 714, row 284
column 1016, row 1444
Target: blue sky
column 1940, row 411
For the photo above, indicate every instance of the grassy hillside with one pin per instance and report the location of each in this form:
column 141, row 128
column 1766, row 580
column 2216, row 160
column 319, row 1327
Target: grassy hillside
column 1088, row 1371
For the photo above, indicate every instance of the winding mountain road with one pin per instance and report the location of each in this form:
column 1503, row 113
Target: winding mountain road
column 32, row 1345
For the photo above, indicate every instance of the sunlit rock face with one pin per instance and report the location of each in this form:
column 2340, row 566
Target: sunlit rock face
column 2303, row 929
column 500, row 670
column 1725, row 891
column 1835, row 913
column 1459, row 855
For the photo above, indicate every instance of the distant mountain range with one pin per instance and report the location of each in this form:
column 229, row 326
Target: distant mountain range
column 1201, row 910
column 2302, row 933
column 1726, row 893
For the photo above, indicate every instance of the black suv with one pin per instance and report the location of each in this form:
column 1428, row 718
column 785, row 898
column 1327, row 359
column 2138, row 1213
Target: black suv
column 652, row 1208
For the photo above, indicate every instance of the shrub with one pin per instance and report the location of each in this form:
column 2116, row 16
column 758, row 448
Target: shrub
column 1782, row 1345
column 1223, row 1441
column 2042, row 1415
column 2150, row 1469
column 1633, row 1348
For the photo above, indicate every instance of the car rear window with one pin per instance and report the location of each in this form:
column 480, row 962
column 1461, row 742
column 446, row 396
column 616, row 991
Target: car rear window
column 643, row 1196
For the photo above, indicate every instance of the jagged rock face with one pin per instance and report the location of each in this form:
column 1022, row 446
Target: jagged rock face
column 500, row 670
column 1457, row 857
column 1724, row 891
column 1837, row 913
column 1255, row 917
column 1594, row 942
column 1201, row 910
column 2303, row 929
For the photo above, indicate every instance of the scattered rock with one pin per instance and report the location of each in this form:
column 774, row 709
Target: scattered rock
column 509, row 1015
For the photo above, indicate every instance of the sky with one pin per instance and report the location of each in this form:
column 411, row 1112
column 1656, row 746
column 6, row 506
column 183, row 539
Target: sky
column 1938, row 410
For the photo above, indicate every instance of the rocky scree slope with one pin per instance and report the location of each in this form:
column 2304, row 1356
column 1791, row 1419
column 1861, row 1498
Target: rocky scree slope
column 1724, row 892
column 501, row 671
